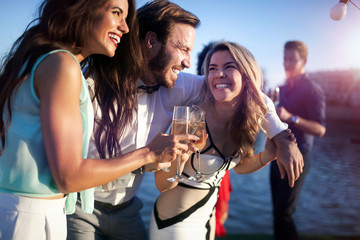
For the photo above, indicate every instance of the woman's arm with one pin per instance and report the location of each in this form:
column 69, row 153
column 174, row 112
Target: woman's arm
column 258, row 161
column 58, row 84
column 290, row 160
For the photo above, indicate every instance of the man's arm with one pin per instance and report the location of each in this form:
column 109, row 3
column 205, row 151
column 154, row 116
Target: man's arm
column 305, row 125
column 289, row 158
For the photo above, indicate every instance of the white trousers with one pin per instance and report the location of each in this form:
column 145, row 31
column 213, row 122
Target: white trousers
column 32, row 218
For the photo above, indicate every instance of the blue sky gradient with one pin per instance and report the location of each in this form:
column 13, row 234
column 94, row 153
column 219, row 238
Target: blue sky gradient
column 262, row 26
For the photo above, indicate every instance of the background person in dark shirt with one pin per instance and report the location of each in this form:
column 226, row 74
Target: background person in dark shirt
column 302, row 106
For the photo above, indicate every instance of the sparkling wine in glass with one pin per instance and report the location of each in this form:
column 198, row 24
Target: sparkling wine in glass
column 198, row 128
column 180, row 125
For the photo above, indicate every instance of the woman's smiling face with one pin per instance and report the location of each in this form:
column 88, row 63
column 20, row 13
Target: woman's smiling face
column 224, row 79
column 108, row 28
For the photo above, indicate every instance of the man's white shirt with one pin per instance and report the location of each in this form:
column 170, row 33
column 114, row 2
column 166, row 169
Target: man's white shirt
column 153, row 116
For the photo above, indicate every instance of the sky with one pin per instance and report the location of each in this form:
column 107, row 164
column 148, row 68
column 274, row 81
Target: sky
column 262, row 26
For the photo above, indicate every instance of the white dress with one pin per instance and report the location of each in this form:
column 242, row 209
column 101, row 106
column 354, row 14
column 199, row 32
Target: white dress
column 187, row 211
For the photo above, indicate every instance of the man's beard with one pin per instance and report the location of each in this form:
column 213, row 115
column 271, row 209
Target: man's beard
column 157, row 66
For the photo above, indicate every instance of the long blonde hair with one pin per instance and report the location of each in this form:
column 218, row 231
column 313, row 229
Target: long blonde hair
column 252, row 109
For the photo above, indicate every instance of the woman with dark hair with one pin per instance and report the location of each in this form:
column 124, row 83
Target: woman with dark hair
column 47, row 113
column 235, row 107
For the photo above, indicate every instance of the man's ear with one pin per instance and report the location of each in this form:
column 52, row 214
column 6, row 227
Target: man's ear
column 151, row 40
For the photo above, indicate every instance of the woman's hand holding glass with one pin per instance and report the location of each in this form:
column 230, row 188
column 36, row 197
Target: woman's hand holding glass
column 189, row 121
column 180, row 125
column 165, row 149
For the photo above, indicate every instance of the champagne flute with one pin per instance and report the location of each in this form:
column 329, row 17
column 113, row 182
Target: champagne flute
column 276, row 96
column 197, row 118
column 180, row 125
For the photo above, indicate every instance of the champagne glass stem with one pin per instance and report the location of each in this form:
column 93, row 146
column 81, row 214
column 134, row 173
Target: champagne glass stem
column 178, row 173
column 198, row 161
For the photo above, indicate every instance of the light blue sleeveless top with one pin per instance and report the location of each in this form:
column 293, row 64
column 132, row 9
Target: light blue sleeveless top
column 24, row 169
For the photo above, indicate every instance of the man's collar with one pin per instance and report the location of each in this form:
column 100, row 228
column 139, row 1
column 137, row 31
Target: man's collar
column 148, row 89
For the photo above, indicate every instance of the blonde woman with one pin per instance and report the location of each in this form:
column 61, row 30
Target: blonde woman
column 235, row 107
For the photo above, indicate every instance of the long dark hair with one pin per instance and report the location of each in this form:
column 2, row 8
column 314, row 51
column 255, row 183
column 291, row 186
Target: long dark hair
column 115, row 91
column 65, row 24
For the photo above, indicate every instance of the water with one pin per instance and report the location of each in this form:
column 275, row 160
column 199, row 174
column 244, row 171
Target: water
column 329, row 201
